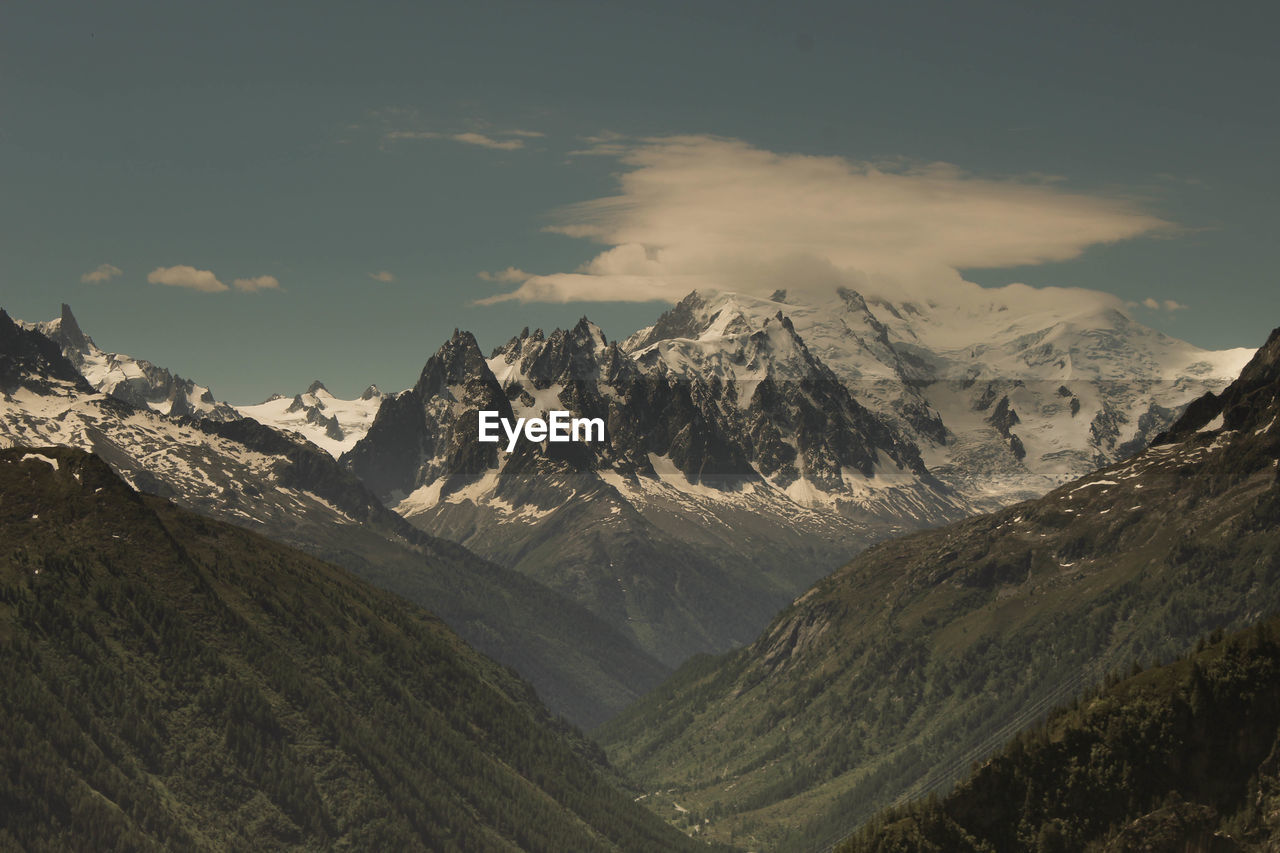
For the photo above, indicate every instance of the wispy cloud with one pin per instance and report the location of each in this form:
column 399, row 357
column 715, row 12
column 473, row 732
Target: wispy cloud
column 604, row 144
column 510, row 274
column 257, row 283
column 496, row 140
column 187, row 276
column 716, row 213
column 488, row 141
column 383, row 276
column 101, row 273
column 397, row 135
column 1154, row 304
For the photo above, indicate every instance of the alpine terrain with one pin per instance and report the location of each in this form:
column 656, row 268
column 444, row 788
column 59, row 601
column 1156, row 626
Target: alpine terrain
column 753, row 445
column 328, row 422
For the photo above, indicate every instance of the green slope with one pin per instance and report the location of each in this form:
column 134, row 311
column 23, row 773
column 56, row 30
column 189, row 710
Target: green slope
column 1182, row 757
column 171, row 682
column 889, row 677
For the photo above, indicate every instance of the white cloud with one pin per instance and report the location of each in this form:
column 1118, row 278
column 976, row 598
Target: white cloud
column 383, row 276
column 606, row 144
column 510, row 274
column 103, row 272
column 188, row 277
column 488, row 141
column 1154, row 304
column 394, row 135
column 257, row 283
column 469, row 138
column 714, row 213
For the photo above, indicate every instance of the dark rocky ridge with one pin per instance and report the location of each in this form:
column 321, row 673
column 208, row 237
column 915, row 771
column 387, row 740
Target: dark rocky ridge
column 29, row 359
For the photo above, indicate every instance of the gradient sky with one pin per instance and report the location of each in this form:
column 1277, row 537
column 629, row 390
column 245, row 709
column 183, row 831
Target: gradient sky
column 319, row 147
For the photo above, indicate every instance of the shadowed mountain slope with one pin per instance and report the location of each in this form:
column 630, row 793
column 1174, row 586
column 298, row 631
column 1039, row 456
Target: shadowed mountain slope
column 172, row 682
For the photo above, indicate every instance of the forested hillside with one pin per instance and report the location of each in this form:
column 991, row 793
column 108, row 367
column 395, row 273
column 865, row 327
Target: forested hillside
column 171, row 682
column 1181, row 757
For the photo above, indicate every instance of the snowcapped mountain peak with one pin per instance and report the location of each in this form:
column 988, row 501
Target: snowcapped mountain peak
column 545, row 360
column 134, row 380
column 331, row 423
column 1007, row 391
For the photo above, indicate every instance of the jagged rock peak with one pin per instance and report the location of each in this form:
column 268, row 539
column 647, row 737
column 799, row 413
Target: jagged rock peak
column 458, row 360
column 1250, row 402
column 28, row 357
column 371, row 393
column 72, row 337
column 512, row 349
column 316, row 387
column 685, row 320
column 852, row 298
column 587, row 331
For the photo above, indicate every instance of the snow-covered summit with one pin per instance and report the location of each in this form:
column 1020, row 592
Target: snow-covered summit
column 331, row 423
column 1006, row 391
column 134, row 380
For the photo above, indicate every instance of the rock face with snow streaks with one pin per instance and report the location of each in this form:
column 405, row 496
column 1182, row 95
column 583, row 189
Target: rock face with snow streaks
column 134, row 380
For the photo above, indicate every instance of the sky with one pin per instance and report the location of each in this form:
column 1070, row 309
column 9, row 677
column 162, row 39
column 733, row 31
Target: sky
column 256, row 195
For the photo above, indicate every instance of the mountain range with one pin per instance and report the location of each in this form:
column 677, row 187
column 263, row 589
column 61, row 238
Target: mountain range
column 282, row 486
column 752, row 444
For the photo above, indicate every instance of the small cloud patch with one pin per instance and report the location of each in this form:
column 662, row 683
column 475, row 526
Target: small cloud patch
column 257, row 283
column 103, row 272
column 186, row 276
